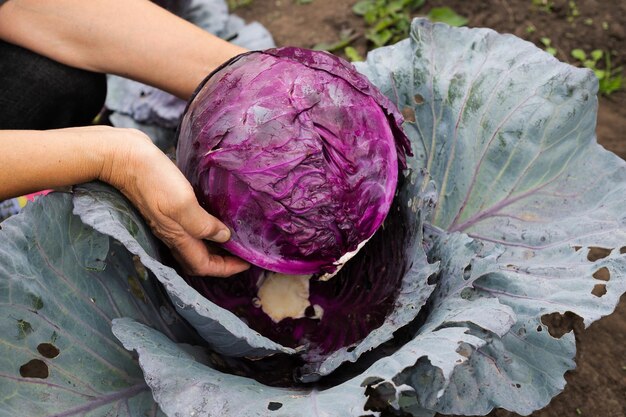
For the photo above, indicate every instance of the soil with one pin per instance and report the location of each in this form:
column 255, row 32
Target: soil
column 598, row 386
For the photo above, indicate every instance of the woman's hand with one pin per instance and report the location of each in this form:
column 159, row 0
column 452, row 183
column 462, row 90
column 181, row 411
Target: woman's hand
column 128, row 160
column 166, row 199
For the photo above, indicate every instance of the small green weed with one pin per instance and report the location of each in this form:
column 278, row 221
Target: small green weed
column 346, row 37
column 352, row 54
column 446, row 15
column 610, row 78
column 547, row 43
column 543, row 5
column 236, row 4
column 572, row 11
column 389, row 20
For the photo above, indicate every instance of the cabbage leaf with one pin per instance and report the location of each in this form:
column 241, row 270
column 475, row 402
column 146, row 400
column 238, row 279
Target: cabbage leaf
column 507, row 133
column 61, row 285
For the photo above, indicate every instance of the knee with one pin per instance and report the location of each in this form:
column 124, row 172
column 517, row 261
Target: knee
column 39, row 93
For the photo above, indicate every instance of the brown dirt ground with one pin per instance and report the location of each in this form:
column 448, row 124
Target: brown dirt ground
column 598, row 386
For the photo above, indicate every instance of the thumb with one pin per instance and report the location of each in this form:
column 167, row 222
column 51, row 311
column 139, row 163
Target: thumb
column 201, row 225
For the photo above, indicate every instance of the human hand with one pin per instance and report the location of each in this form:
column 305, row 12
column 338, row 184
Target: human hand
column 152, row 182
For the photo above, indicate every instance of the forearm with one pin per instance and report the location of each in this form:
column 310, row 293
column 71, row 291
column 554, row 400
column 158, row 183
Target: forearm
column 37, row 160
column 128, row 160
column 132, row 38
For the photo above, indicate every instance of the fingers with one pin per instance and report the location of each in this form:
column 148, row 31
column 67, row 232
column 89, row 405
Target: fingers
column 167, row 201
column 200, row 224
column 197, row 260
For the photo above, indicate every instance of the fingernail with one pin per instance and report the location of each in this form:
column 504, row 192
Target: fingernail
column 222, row 236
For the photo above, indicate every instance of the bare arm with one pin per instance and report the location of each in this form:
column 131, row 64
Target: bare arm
column 132, row 38
column 138, row 40
column 126, row 159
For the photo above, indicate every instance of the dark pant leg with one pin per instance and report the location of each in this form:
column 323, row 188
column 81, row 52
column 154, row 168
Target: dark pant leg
column 38, row 93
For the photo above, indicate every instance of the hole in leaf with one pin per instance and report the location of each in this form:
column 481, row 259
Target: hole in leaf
column 379, row 397
column 433, row 279
column 558, row 324
column 351, row 349
column 418, row 98
column 577, row 248
column 273, row 406
column 409, row 114
column 464, row 350
column 467, row 293
column 518, row 386
column 622, row 250
column 48, row 350
column 34, row 369
column 467, row 272
column 596, row 253
column 599, row 290
column 602, row 274
column 372, row 380
column 539, row 328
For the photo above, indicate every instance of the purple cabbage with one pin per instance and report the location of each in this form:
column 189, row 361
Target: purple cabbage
column 297, row 153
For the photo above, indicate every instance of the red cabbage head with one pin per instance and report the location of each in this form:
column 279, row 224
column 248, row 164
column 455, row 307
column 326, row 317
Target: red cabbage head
column 297, row 153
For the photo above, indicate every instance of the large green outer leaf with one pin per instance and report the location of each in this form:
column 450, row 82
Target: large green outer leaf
column 455, row 304
column 184, row 386
column 61, row 285
column 104, row 208
column 521, row 366
column 507, row 133
column 497, row 119
column 463, row 261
